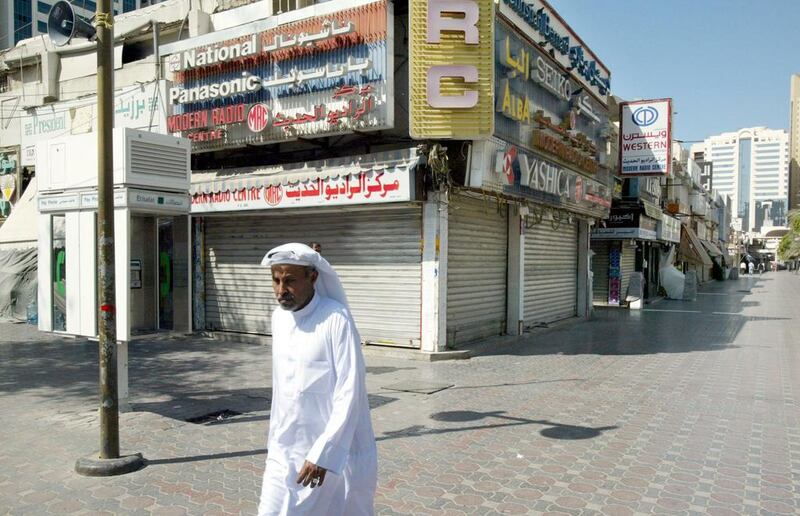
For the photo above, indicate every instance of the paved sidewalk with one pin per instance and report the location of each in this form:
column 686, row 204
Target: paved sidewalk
column 682, row 408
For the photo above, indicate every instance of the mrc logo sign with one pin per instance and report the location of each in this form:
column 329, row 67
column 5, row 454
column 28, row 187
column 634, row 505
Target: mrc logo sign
column 452, row 69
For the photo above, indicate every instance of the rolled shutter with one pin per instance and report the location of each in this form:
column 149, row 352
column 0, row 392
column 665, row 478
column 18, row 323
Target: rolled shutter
column 551, row 272
column 376, row 253
column 477, row 259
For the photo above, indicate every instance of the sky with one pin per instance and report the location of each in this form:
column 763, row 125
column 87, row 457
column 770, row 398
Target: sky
column 725, row 63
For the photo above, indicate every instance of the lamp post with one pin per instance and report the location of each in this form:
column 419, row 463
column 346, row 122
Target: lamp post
column 63, row 25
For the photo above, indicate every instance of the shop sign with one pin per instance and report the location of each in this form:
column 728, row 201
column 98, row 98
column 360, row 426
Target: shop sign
column 135, row 107
column 623, row 234
column 645, row 145
column 669, row 229
column 614, row 274
column 451, row 66
column 540, row 23
column 529, row 175
column 59, row 202
column 623, row 218
column 540, row 107
column 325, row 75
column 122, row 198
column 364, row 187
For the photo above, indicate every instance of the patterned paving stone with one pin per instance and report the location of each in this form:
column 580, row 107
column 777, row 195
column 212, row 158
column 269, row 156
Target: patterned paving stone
column 687, row 414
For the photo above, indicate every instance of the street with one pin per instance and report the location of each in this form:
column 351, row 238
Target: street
column 681, row 408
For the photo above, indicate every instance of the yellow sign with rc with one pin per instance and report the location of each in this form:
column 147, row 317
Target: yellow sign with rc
column 451, row 71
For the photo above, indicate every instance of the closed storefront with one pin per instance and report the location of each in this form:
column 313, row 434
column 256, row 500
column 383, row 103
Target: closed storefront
column 627, row 267
column 376, row 253
column 361, row 211
column 477, row 257
column 600, row 265
column 613, row 265
column 551, row 271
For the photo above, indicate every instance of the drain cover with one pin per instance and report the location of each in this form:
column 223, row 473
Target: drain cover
column 418, row 387
column 213, row 417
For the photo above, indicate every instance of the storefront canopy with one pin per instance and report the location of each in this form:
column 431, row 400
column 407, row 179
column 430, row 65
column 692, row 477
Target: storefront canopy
column 691, row 248
column 712, row 249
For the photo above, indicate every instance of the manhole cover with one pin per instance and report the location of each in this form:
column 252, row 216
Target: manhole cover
column 220, row 415
column 418, row 387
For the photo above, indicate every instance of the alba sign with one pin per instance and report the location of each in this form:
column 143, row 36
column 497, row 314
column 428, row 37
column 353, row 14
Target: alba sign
column 452, row 68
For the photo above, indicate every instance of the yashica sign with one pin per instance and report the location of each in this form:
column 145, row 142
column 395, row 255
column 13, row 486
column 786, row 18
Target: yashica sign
column 645, row 146
column 327, row 74
column 451, row 63
column 520, row 173
column 365, row 187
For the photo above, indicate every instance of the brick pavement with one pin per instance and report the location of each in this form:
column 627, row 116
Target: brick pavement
column 683, row 408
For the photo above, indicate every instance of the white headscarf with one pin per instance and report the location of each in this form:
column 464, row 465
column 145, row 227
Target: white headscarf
column 327, row 284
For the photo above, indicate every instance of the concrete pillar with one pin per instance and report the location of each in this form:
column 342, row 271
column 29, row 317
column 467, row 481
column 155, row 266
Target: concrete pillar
column 434, row 273
column 584, row 269
column 44, row 303
column 516, row 271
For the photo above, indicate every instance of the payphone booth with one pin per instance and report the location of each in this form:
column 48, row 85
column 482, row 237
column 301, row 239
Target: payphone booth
column 152, row 247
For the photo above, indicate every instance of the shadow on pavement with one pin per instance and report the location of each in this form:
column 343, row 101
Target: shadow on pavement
column 215, row 456
column 554, row 430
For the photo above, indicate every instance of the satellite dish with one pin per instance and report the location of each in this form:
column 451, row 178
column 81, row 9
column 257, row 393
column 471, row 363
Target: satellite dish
column 63, row 24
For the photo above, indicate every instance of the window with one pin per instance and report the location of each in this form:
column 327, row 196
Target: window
column 41, row 27
column 128, row 5
column 283, row 6
column 42, row 7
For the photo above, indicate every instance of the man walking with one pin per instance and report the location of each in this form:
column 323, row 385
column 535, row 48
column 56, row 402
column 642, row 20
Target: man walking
column 322, row 457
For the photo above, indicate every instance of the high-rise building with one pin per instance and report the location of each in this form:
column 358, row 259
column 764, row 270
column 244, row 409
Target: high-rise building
column 21, row 19
column 752, row 166
column 794, row 144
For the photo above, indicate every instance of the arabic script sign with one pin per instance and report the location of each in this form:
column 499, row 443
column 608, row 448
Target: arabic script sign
column 645, row 146
column 320, row 76
column 539, row 107
column 365, row 187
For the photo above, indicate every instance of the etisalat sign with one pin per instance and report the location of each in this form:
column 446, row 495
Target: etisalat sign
column 319, row 76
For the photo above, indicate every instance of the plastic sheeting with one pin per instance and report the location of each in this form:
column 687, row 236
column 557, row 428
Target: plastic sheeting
column 672, row 280
column 18, row 283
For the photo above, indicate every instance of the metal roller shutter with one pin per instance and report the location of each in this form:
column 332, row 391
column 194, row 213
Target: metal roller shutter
column 477, row 258
column 551, row 272
column 376, row 253
column 600, row 272
column 628, row 266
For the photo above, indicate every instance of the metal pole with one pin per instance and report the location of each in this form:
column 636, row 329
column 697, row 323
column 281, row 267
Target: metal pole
column 109, row 407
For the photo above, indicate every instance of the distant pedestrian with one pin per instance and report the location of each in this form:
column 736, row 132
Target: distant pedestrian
column 322, row 457
column 751, row 268
column 316, row 246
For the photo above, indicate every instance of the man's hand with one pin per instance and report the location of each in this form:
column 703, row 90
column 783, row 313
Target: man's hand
column 311, row 475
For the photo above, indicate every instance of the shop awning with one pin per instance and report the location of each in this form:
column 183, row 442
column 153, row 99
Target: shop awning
column 235, row 179
column 691, row 248
column 712, row 248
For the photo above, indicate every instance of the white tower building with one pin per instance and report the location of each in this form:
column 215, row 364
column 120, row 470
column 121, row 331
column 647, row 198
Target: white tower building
column 752, row 166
